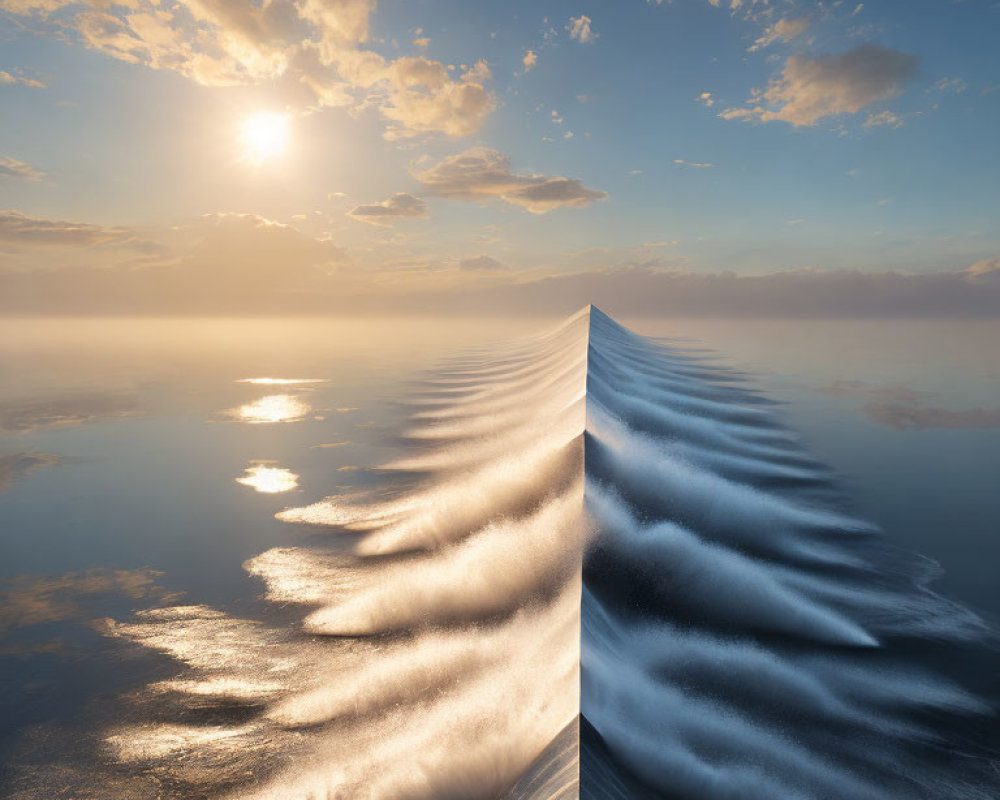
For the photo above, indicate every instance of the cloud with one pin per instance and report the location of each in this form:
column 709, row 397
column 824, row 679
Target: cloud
column 783, row 29
column 72, row 597
column 706, row 99
column 883, row 119
column 12, row 168
column 19, row 80
column 985, row 271
column 423, row 98
column 529, row 60
column 580, row 30
column 902, row 408
column 956, row 85
column 746, row 7
column 699, row 165
column 400, row 206
column 232, row 252
column 22, row 230
column 60, row 411
column 218, row 261
column 654, row 291
column 301, row 279
column 15, row 466
column 317, row 43
column 810, row 89
column 481, row 263
column 916, row 417
column 482, row 174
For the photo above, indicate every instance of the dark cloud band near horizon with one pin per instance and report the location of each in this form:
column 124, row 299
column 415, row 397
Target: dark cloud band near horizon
column 973, row 292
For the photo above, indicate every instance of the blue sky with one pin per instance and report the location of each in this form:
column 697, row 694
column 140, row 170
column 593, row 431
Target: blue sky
column 686, row 135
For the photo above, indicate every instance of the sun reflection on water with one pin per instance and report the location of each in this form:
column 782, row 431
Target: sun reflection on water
column 268, row 479
column 281, row 381
column 273, row 408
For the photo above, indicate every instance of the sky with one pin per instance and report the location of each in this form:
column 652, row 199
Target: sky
column 725, row 156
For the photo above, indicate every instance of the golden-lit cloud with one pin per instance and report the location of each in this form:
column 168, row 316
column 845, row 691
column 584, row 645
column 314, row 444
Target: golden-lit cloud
column 483, row 174
column 400, row 206
column 529, row 60
column 580, row 29
column 249, row 248
column 11, row 79
column 784, row 30
column 987, row 270
column 416, row 94
column 317, row 43
column 227, row 258
column 423, row 98
column 22, row 230
column 810, row 89
column 12, row 168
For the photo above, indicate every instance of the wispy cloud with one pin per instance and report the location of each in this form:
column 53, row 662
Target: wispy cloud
column 902, row 408
column 956, row 85
column 59, row 411
column 400, row 206
column 12, row 168
column 11, row 79
column 883, row 119
column 23, row 230
column 15, row 466
column 783, row 30
column 696, row 164
column 483, row 174
column 481, row 263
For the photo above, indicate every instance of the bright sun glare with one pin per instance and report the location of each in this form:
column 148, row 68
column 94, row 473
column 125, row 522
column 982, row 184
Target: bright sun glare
column 264, row 136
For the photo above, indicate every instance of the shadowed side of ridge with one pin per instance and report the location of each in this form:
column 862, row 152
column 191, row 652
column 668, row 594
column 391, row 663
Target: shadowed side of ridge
column 743, row 635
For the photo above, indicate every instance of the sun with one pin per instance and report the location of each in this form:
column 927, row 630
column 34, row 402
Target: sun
column 264, row 136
